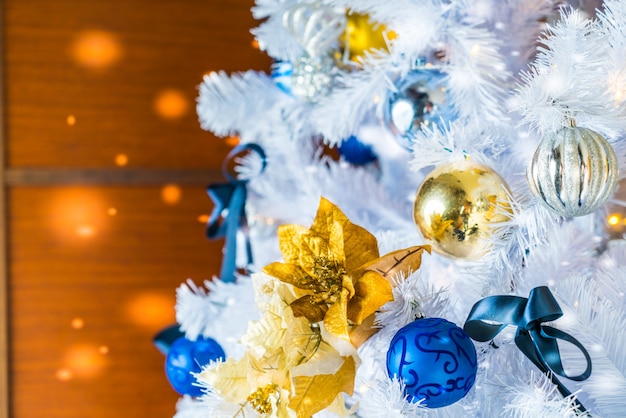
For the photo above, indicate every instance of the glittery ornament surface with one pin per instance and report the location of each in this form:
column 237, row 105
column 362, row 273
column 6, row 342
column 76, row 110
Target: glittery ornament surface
column 457, row 205
column 312, row 77
column 573, row 172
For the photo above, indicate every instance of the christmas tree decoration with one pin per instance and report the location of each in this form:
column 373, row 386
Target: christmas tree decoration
column 228, row 215
column 331, row 282
column 338, row 270
column 361, row 35
column 459, row 80
column 436, row 361
column 185, row 357
column 573, row 171
column 458, row 205
column 418, row 101
column 312, row 77
column 316, row 27
column 356, row 152
column 538, row 342
column 281, row 72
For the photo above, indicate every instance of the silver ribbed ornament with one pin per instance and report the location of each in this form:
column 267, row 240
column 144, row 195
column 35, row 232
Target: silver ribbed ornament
column 573, row 172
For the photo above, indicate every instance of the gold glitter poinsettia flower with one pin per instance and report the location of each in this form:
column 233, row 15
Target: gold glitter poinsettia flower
column 337, row 270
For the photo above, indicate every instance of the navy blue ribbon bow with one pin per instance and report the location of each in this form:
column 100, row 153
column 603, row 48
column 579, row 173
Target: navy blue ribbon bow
column 489, row 316
column 229, row 212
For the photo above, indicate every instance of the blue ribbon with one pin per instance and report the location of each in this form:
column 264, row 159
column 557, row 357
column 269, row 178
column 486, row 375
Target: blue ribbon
column 538, row 342
column 229, row 214
column 166, row 337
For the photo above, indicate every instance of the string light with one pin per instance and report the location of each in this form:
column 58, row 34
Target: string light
column 614, row 219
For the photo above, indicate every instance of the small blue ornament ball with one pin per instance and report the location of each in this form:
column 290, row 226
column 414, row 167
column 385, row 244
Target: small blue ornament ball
column 185, row 357
column 356, row 152
column 281, row 72
column 435, row 359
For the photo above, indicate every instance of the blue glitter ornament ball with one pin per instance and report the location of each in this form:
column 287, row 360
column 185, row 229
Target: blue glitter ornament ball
column 435, row 359
column 356, row 152
column 185, row 357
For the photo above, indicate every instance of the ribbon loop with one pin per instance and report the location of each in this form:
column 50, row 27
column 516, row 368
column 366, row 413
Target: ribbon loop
column 229, row 212
column 489, row 316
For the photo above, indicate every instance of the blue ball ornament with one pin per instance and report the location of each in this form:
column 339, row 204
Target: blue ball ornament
column 281, row 72
column 185, row 357
column 435, row 359
column 356, row 152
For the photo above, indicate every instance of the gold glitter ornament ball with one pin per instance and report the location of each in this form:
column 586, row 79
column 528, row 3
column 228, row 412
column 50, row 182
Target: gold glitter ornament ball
column 573, row 172
column 457, row 206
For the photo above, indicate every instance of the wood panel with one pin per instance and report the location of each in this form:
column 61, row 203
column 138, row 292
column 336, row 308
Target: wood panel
column 90, row 287
column 102, row 95
column 109, row 66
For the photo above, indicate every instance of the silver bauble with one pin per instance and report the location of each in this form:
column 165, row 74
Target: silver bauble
column 419, row 101
column 312, row 77
column 573, row 172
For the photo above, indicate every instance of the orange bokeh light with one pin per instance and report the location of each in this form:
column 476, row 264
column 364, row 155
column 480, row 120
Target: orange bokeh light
column 64, row 375
column 77, row 213
column 96, row 49
column 112, row 211
column 85, row 231
column 151, row 310
column 77, row 323
column 71, row 120
column 171, row 104
column 171, row 194
column 232, row 141
column 84, row 361
column 121, row 160
column 203, row 219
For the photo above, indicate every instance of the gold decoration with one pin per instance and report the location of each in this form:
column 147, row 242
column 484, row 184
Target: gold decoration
column 260, row 399
column 457, row 207
column 315, row 393
column 337, row 269
column 362, row 34
column 292, row 367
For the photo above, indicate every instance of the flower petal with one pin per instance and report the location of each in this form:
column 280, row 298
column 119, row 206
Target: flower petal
column 404, row 261
column 371, row 292
column 290, row 241
column 336, row 319
column 306, row 307
column 314, row 393
column 288, row 273
column 359, row 246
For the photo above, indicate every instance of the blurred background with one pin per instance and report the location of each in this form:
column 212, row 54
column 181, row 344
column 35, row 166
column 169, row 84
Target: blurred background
column 105, row 168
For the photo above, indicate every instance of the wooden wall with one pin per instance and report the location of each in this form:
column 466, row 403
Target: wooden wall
column 105, row 173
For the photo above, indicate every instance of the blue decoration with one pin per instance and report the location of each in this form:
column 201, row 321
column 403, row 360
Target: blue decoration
column 420, row 100
column 229, row 212
column 435, row 359
column 356, row 152
column 185, row 357
column 281, row 74
column 538, row 342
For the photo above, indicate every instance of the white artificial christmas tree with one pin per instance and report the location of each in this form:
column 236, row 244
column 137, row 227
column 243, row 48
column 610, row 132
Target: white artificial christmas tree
column 453, row 86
